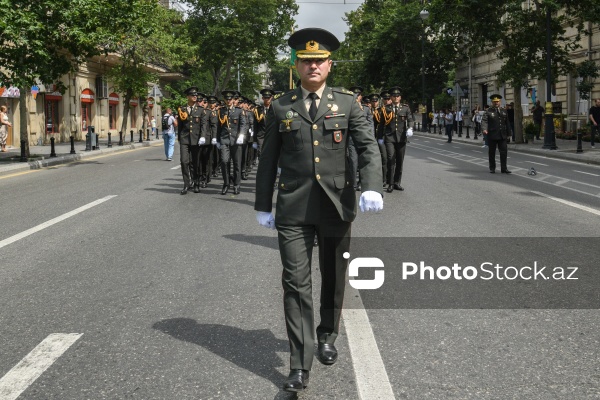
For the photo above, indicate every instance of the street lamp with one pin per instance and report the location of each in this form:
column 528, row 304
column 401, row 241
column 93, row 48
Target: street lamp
column 549, row 139
column 424, row 14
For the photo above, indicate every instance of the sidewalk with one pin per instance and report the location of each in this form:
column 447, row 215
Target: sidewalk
column 40, row 155
column 567, row 149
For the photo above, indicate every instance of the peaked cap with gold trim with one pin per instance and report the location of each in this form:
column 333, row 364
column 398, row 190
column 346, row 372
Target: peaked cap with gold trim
column 313, row 43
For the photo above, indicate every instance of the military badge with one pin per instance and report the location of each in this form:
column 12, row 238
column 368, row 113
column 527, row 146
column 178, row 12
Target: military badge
column 294, row 97
column 337, row 136
column 334, row 107
column 328, row 105
column 289, row 114
column 330, row 96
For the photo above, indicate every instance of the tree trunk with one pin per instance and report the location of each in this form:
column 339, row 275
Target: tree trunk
column 23, row 117
column 126, row 99
column 518, row 115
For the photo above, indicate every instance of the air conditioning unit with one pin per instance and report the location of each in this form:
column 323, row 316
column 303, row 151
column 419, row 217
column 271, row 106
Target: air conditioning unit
column 101, row 87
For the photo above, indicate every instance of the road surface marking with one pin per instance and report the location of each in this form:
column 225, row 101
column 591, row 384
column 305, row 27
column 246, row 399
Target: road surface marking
column 371, row 377
column 569, row 203
column 533, row 162
column 440, row 161
column 177, row 166
column 22, row 375
column 51, row 222
column 587, row 173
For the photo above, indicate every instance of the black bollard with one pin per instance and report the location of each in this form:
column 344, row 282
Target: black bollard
column 468, row 137
column 156, row 133
column 109, row 142
column 97, row 142
column 141, row 135
column 72, row 145
column 147, row 135
column 120, row 138
column 579, row 144
column 434, row 129
column 23, row 157
column 52, row 150
column 131, row 141
column 88, row 142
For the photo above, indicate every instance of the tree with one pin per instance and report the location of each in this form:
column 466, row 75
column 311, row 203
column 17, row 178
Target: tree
column 146, row 36
column 43, row 40
column 587, row 72
column 229, row 32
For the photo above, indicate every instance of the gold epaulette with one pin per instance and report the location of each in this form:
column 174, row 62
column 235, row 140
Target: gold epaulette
column 258, row 117
column 183, row 115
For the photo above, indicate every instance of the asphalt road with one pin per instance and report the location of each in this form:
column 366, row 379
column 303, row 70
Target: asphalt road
column 179, row 297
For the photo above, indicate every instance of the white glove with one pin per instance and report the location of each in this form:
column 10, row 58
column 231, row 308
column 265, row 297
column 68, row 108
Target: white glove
column 255, row 145
column 218, row 145
column 380, row 141
column 202, row 141
column 213, row 141
column 251, row 132
column 265, row 219
column 370, row 201
column 240, row 140
column 409, row 132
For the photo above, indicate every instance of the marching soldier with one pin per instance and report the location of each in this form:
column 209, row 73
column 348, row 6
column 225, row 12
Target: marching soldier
column 260, row 119
column 248, row 137
column 189, row 135
column 204, row 167
column 230, row 137
column 495, row 125
column 307, row 129
column 393, row 132
column 352, row 154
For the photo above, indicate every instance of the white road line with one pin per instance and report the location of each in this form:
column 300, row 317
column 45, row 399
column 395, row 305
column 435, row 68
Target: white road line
column 371, row 377
column 477, row 151
column 587, row 173
column 533, row 162
column 177, row 166
column 440, row 161
column 22, row 375
column 569, row 203
column 53, row 221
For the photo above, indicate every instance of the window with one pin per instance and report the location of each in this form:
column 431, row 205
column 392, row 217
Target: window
column 133, row 113
column 52, row 121
column 112, row 116
column 86, row 116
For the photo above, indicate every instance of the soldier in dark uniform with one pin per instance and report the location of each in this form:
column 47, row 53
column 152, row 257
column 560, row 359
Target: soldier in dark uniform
column 378, row 119
column 352, row 154
column 213, row 123
column 260, row 119
column 393, row 132
column 248, row 137
column 307, row 134
column 189, row 126
column 232, row 125
column 496, row 126
column 204, row 167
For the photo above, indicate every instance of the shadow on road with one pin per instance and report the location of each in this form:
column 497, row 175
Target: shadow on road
column 265, row 241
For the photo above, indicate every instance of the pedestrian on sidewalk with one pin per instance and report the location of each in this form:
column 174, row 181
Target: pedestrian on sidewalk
column 595, row 120
column 169, row 124
column 4, row 124
column 449, row 122
column 496, row 126
column 538, row 116
column 153, row 125
column 485, row 136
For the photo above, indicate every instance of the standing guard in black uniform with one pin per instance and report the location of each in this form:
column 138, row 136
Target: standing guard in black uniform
column 496, row 126
column 393, row 132
column 189, row 123
column 230, row 137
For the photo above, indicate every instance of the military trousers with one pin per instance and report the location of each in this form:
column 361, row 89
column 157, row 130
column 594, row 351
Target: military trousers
column 395, row 161
column 205, row 162
column 190, row 157
column 383, row 153
column 503, row 149
column 295, row 247
column 234, row 153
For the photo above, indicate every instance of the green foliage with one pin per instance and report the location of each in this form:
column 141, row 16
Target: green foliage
column 443, row 101
column 530, row 130
column 229, row 32
column 280, row 75
column 588, row 72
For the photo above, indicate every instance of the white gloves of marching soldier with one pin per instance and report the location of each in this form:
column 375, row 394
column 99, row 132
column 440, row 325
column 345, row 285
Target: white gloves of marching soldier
column 265, row 219
column 213, row 141
column 370, row 201
column 218, row 145
column 380, row 141
column 255, row 145
column 409, row 132
column 202, row 141
column 240, row 140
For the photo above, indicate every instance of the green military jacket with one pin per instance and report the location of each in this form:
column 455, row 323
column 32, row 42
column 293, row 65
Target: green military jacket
column 312, row 155
column 189, row 124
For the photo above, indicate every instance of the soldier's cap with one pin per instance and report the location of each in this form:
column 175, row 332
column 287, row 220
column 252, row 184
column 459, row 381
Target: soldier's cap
column 356, row 89
column 212, row 99
column 191, row 91
column 395, row 91
column 228, row 94
column 495, row 97
column 237, row 94
column 267, row 93
column 201, row 96
column 313, row 43
column 374, row 97
column 385, row 95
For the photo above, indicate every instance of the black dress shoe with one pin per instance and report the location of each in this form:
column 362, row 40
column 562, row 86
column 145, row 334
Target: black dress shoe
column 358, row 188
column 505, row 171
column 236, row 190
column 492, row 171
column 225, row 189
column 244, row 177
column 203, row 184
column 398, row 187
column 297, row 381
column 327, row 353
column 184, row 190
column 389, row 189
column 196, row 189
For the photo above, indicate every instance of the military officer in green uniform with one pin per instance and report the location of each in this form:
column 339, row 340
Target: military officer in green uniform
column 230, row 138
column 393, row 133
column 260, row 122
column 307, row 134
column 189, row 123
column 496, row 126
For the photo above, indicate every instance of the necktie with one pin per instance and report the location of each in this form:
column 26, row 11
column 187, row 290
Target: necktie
column 395, row 110
column 312, row 111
